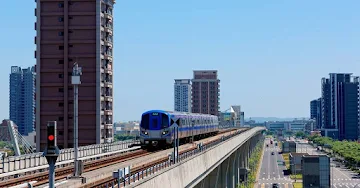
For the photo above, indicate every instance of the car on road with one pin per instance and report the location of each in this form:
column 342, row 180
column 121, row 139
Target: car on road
column 275, row 185
column 272, row 153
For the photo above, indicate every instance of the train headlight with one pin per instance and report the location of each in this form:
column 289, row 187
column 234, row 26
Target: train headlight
column 164, row 132
column 146, row 133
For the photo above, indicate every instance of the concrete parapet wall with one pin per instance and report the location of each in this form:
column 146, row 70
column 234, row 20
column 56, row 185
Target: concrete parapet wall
column 191, row 171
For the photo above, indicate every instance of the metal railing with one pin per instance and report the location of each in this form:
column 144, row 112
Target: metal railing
column 15, row 163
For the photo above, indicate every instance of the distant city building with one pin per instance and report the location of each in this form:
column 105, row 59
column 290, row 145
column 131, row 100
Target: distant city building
column 131, row 128
column 310, row 125
column 242, row 119
column 315, row 171
column 236, row 109
column 313, row 109
column 205, row 92
column 22, row 98
column 295, row 125
column 182, row 95
column 231, row 117
column 318, row 114
column 340, row 106
column 277, row 125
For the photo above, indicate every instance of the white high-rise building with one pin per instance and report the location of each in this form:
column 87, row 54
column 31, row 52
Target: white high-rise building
column 182, row 95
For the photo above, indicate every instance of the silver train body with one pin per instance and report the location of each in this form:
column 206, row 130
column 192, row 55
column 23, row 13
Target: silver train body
column 157, row 127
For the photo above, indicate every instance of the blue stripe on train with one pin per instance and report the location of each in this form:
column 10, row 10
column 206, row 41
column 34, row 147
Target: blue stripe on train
column 196, row 127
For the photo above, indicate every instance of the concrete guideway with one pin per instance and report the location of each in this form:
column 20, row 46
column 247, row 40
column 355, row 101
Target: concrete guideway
column 104, row 173
column 215, row 166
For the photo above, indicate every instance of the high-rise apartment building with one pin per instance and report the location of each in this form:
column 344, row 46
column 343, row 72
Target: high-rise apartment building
column 340, row 101
column 182, row 95
column 205, row 92
column 67, row 32
column 315, row 112
column 22, row 98
column 313, row 109
column 318, row 113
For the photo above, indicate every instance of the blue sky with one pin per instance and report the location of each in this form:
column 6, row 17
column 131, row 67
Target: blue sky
column 270, row 55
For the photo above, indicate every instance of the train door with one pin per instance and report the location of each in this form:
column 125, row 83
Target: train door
column 155, row 121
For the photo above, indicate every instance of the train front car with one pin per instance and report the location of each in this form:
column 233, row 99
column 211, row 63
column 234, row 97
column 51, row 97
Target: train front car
column 154, row 129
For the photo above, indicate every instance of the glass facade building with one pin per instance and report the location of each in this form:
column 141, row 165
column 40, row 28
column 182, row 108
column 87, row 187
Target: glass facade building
column 22, row 98
column 316, row 171
column 182, row 95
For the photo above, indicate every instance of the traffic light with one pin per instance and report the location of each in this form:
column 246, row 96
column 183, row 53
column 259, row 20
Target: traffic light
column 51, row 134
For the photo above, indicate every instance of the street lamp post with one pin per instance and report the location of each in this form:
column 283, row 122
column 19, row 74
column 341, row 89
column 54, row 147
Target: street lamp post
column 75, row 80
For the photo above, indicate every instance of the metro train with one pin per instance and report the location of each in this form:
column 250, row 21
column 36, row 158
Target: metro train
column 157, row 131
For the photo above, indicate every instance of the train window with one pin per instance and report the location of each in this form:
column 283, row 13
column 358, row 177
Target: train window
column 145, row 121
column 164, row 121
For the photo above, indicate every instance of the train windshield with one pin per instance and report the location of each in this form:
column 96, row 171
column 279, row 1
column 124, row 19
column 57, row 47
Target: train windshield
column 145, row 121
column 164, row 121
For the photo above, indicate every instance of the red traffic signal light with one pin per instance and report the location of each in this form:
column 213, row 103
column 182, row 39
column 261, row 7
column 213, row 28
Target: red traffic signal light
column 51, row 137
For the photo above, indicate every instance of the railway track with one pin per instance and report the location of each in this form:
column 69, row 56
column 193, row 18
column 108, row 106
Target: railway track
column 61, row 173
column 109, row 181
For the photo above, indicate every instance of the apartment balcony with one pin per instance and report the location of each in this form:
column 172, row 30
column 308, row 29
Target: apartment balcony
column 108, row 28
column 108, row 112
column 108, row 15
column 108, row 71
column 108, row 56
column 108, row 42
column 108, row 125
column 108, row 98
column 108, row 84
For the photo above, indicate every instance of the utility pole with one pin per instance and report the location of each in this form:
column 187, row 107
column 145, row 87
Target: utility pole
column 75, row 80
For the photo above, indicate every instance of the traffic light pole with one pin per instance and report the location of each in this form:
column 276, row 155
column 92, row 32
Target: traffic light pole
column 75, row 80
column 51, row 152
column 51, row 161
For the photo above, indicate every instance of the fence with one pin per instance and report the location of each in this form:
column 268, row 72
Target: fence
column 16, row 163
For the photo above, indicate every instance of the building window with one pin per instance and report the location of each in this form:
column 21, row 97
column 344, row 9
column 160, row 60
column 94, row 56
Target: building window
column 61, row 33
column 70, row 17
column 61, row 5
column 61, row 76
column 61, row 90
column 70, row 45
column 61, row 104
column 61, row 47
column 70, row 31
column 61, row 19
column 61, row 61
column 61, row 118
column 61, row 133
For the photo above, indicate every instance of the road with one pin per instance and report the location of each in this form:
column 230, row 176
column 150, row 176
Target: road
column 340, row 176
column 271, row 170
